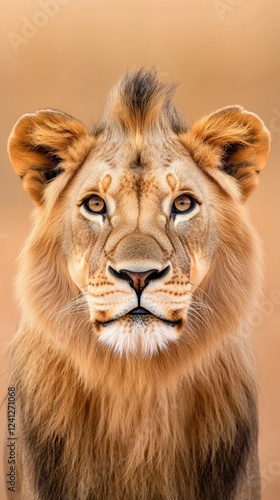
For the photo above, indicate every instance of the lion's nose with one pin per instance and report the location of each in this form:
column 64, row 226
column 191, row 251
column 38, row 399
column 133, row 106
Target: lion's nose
column 139, row 280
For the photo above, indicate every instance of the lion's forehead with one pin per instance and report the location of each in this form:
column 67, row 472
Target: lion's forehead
column 140, row 183
column 120, row 178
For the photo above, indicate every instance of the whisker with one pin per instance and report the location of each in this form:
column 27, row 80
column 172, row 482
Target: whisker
column 201, row 304
column 196, row 313
column 198, row 301
column 195, row 307
column 193, row 314
column 76, row 305
column 203, row 291
column 84, row 286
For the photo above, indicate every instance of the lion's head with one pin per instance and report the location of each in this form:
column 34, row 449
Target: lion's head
column 140, row 227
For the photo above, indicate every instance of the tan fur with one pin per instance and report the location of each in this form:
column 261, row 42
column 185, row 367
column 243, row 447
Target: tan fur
column 147, row 412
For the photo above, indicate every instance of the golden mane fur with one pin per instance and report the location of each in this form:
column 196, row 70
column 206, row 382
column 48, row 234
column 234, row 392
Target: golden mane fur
column 176, row 423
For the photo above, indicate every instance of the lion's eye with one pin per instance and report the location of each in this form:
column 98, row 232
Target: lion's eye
column 183, row 204
column 95, row 204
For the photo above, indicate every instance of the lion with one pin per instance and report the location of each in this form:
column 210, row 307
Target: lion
column 133, row 372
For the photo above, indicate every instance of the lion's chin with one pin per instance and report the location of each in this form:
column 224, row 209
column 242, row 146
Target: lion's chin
column 137, row 334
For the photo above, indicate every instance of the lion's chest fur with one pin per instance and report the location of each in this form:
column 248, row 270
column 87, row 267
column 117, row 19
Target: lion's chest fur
column 136, row 445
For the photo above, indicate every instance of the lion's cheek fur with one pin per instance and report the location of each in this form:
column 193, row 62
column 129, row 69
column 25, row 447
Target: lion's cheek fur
column 78, row 270
column 198, row 269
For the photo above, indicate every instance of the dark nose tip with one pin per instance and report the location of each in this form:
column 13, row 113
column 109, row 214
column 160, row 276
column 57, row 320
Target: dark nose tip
column 139, row 280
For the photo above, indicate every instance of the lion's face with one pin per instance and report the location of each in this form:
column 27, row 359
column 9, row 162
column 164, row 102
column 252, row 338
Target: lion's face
column 141, row 242
column 146, row 215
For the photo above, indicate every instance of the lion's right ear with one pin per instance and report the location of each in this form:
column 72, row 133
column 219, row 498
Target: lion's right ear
column 45, row 144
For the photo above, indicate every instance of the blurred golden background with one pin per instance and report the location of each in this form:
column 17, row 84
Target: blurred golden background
column 67, row 54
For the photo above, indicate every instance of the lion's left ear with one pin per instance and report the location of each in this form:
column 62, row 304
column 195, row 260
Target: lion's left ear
column 233, row 141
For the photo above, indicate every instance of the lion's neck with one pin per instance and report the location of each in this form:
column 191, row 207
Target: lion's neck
column 124, row 429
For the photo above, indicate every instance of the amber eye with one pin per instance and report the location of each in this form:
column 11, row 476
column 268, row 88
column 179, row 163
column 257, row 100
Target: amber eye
column 183, row 204
column 95, row 204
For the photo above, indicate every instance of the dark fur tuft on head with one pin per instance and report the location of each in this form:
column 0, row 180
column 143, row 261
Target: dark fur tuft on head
column 141, row 90
column 140, row 100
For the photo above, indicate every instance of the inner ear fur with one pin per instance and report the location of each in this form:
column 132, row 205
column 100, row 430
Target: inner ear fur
column 42, row 145
column 233, row 141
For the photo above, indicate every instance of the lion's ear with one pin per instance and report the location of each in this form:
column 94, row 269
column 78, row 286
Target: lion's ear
column 232, row 140
column 45, row 144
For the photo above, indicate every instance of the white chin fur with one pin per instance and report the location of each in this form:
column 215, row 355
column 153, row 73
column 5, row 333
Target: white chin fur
column 137, row 337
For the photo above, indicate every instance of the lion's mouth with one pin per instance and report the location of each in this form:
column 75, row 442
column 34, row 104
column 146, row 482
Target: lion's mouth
column 141, row 311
